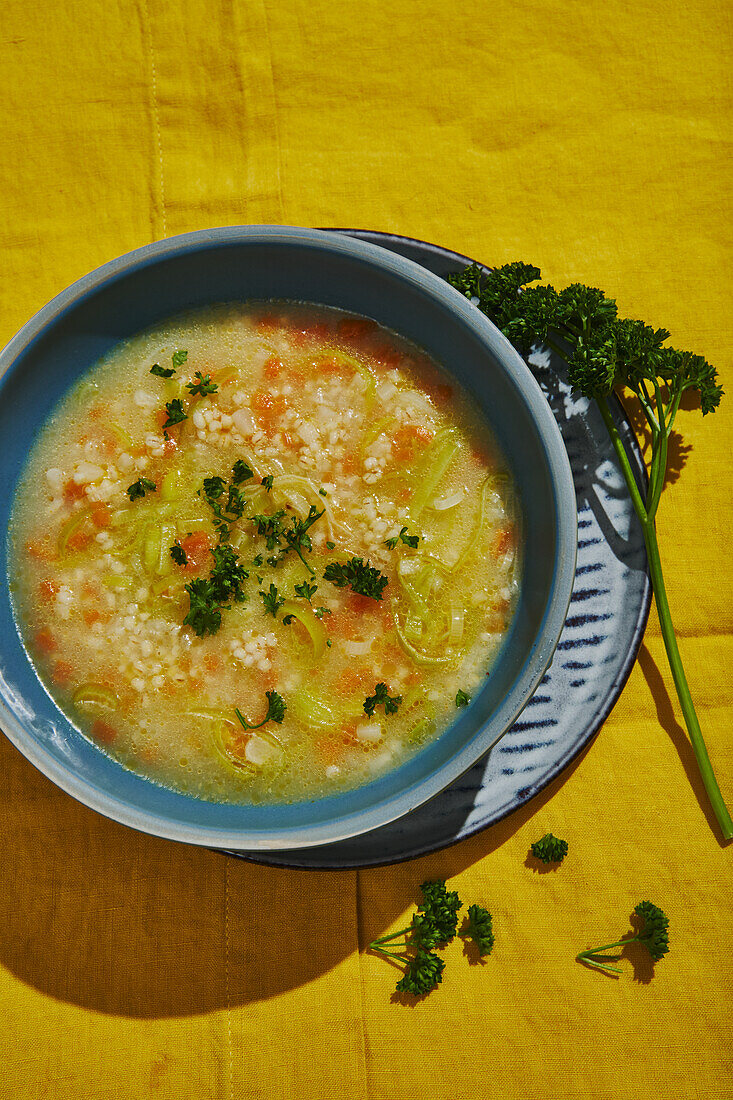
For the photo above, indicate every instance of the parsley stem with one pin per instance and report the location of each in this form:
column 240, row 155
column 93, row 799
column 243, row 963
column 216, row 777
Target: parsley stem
column 665, row 619
column 390, row 936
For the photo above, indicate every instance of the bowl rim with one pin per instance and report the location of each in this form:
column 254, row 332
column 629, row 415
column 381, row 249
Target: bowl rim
column 561, row 479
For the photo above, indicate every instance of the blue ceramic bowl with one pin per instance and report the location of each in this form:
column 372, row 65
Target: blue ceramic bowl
column 134, row 292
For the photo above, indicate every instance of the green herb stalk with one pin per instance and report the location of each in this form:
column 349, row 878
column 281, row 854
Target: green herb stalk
column 604, row 352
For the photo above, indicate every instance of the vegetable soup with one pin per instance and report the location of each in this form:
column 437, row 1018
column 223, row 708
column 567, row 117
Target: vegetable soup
column 265, row 552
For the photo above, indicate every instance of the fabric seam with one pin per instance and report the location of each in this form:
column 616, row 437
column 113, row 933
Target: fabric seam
column 156, row 115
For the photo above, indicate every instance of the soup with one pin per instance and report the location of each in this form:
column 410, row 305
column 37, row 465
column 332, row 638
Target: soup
column 264, row 552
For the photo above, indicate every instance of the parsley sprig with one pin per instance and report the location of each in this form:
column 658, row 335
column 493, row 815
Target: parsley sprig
column 209, row 596
column 202, row 386
column 275, row 712
column 653, row 934
column 382, row 696
column 433, row 926
column 294, row 534
column 362, row 577
column 272, row 600
column 176, row 413
column 139, row 488
column 409, row 540
column 604, row 352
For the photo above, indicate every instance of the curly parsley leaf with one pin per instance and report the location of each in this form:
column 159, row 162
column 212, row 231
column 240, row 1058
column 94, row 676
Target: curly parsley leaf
column 382, row 696
column 362, row 577
column 162, row 372
column 275, row 712
column 267, row 482
column 176, row 412
column 241, row 471
column 479, row 928
column 209, row 596
column 203, row 386
column 272, row 601
column 307, row 591
column 179, row 358
column 140, row 487
column 204, row 614
column 462, row 700
column 409, row 540
column 178, row 553
column 653, row 934
column 423, row 974
column 549, row 849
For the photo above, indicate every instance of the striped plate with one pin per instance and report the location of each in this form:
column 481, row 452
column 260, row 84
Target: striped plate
column 597, row 648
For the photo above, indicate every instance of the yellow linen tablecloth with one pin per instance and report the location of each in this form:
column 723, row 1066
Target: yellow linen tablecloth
column 591, row 140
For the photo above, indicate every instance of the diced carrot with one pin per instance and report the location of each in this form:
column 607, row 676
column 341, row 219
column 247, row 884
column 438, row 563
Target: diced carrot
column 47, row 590
column 503, row 539
column 103, row 732
column 79, row 540
column 39, row 550
column 45, row 641
column 160, row 417
column 272, row 367
column 409, row 440
column 351, row 463
column 170, row 445
column 72, row 491
column 91, row 616
column 268, row 406
column 196, row 548
column 62, row 673
column 101, row 515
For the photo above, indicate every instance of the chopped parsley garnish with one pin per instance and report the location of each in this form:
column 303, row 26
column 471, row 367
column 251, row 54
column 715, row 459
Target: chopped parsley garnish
column 209, row 596
column 178, row 358
column 140, row 487
column 204, row 615
column 213, row 487
column 270, row 527
column 267, row 482
column 296, row 536
column 462, row 700
column 203, row 386
column 362, row 577
column 307, row 591
column 241, row 472
column 331, row 545
column 257, row 561
column 178, row 553
column 381, row 695
column 409, row 540
column 175, row 412
column 275, row 711
column 323, row 492
column 272, row 601
column 319, row 612
column 162, row 372
column 225, row 512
